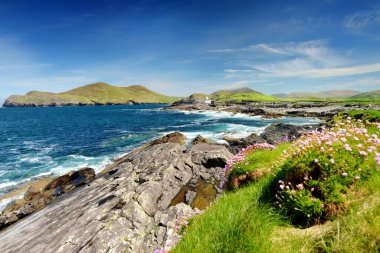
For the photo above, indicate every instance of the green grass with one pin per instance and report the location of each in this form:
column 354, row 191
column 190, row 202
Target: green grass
column 262, row 160
column 372, row 95
column 242, row 97
column 237, row 222
column 245, row 220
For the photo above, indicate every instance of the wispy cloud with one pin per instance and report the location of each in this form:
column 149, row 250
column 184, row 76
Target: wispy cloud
column 299, row 70
column 362, row 19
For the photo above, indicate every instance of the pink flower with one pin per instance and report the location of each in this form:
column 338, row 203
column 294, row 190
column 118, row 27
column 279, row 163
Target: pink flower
column 332, row 160
column 345, row 174
column 363, row 153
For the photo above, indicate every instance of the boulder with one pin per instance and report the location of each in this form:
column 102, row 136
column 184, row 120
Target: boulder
column 235, row 145
column 201, row 140
column 82, row 177
column 36, row 199
column 175, row 137
column 277, row 132
column 58, row 181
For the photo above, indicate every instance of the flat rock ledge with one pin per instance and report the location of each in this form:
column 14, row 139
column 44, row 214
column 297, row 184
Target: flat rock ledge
column 131, row 207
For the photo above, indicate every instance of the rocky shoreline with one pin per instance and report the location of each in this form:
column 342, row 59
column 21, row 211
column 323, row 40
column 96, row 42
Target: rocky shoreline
column 133, row 204
column 322, row 110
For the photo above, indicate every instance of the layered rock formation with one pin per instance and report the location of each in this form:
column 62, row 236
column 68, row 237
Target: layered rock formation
column 131, row 207
column 36, row 199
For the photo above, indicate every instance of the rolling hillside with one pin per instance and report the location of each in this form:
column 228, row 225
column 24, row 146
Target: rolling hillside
column 321, row 94
column 372, row 95
column 239, row 95
column 92, row 94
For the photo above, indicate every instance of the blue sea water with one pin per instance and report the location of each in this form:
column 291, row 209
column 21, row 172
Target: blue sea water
column 50, row 141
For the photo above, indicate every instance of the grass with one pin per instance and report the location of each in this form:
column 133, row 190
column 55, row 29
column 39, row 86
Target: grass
column 243, row 97
column 245, row 220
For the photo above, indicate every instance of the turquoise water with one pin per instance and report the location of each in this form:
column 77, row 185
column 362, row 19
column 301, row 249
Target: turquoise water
column 44, row 141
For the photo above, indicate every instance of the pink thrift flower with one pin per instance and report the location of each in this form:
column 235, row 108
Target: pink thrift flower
column 332, row 160
column 345, row 174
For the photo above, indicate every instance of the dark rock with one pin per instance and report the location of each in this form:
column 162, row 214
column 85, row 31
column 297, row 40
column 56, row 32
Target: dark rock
column 277, row 132
column 82, row 176
column 58, row 181
column 235, row 145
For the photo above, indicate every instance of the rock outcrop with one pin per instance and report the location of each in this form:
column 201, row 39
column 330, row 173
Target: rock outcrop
column 131, row 207
column 273, row 134
column 36, row 199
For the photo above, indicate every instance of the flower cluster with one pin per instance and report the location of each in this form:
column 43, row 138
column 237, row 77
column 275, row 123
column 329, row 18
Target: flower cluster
column 324, row 165
column 240, row 159
column 286, row 139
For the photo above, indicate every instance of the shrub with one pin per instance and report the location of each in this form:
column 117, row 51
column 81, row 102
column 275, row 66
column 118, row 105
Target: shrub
column 324, row 167
column 238, row 165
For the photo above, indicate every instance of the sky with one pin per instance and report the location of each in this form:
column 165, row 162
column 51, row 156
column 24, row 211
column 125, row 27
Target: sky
column 182, row 47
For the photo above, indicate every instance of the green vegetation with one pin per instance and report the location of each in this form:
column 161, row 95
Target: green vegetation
column 329, row 178
column 372, row 95
column 97, row 93
column 240, row 95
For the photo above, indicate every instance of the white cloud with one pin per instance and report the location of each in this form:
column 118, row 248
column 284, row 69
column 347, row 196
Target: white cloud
column 362, row 19
column 298, row 70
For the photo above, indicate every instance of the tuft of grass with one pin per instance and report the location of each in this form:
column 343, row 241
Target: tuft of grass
column 237, row 222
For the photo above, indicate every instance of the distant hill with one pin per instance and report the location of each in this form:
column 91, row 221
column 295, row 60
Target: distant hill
column 235, row 95
column 92, row 94
column 372, row 95
column 241, row 94
column 321, row 94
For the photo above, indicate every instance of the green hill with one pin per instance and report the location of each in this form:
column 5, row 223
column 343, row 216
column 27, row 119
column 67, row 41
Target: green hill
column 240, row 95
column 372, row 95
column 92, row 94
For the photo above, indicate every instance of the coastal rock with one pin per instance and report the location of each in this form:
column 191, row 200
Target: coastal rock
column 36, row 199
column 82, row 177
column 131, row 207
column 278, row 132
column 235, row 145
column 201, row 140
column 175, row 137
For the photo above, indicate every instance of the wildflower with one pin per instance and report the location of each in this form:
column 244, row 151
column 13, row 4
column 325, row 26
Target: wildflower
column 332, row 160
column 345, row 174
column 357, row 178
column 300, row 186
column 316, row 160
column 282, row 186
column 363, row 153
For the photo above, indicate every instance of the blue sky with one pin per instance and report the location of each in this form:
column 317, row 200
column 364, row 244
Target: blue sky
column 180, row 47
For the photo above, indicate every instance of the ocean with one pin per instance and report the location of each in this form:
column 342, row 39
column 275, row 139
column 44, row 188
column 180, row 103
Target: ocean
column 36, row 142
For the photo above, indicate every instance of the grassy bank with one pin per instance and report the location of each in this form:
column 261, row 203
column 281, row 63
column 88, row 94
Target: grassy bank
column 342, row 217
